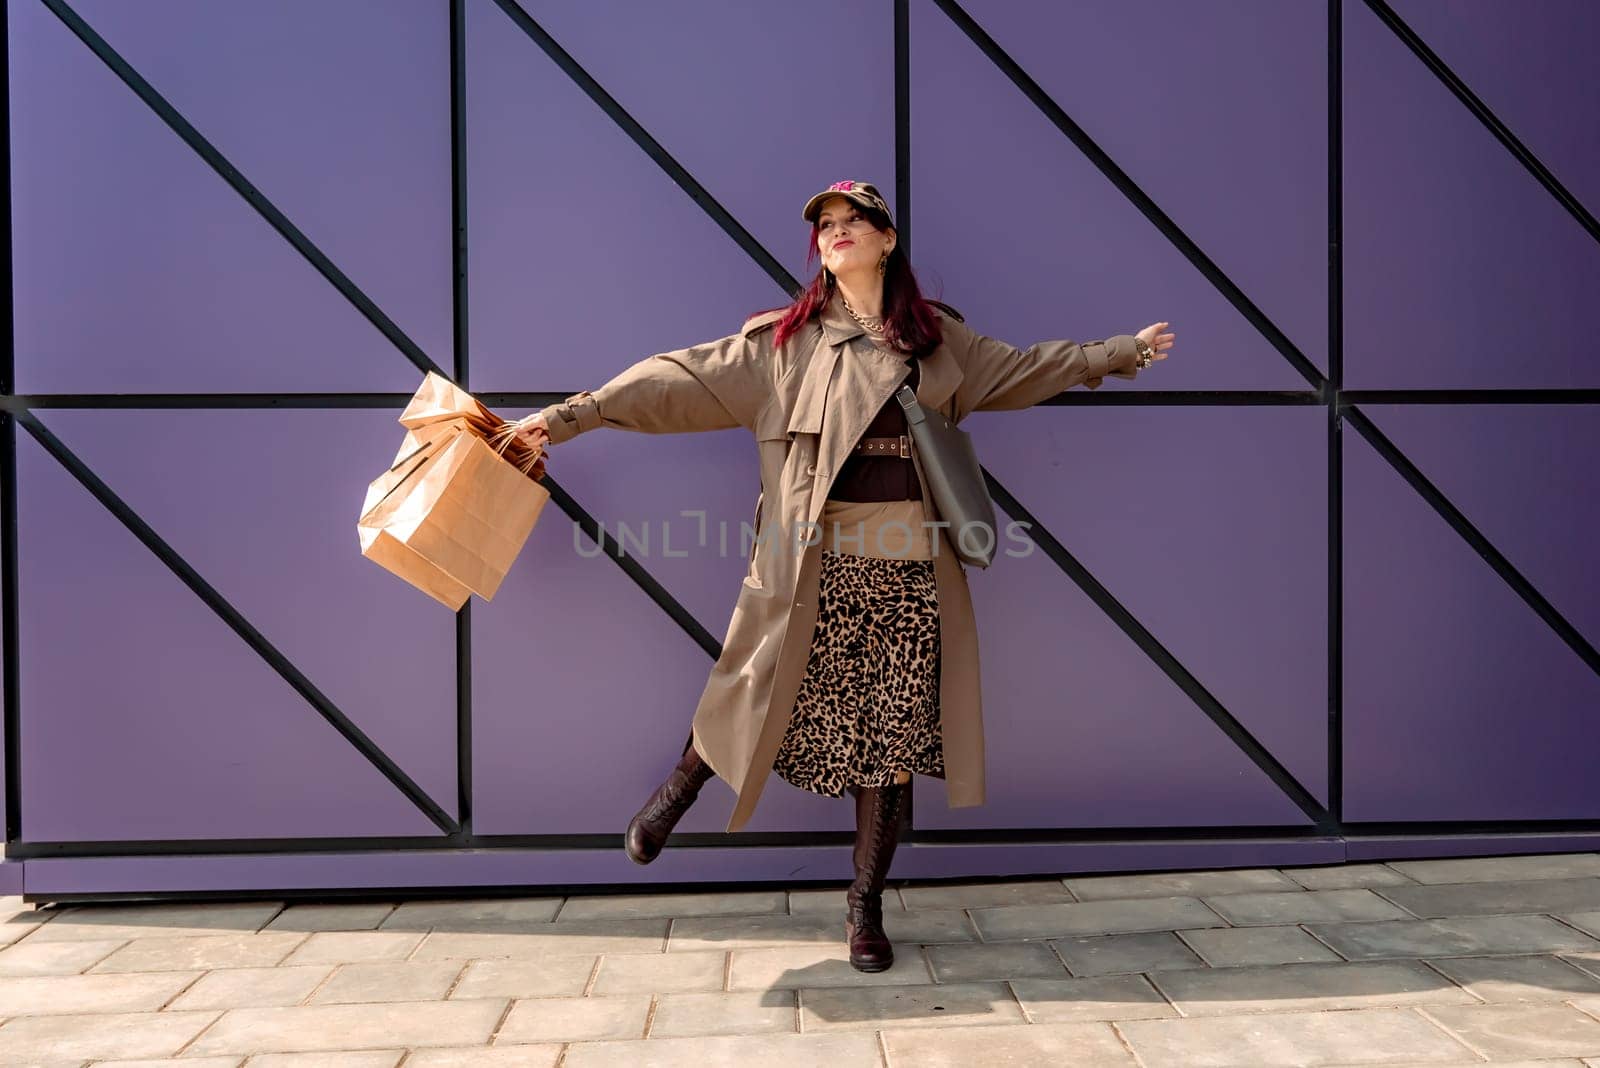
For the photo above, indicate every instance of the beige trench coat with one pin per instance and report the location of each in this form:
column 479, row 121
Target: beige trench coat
column 807, row 404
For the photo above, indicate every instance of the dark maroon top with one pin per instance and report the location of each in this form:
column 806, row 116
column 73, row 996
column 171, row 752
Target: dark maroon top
column 881, row 478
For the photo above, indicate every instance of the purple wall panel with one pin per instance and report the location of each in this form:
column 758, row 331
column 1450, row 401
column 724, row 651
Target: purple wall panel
column 583, row 692
column 264, row 505
column 354, row 147
column 1079, row 260
column 1460, row 269
column 1219, row 546
column 144, row 716
column 584, row 255
column 1251, row 188
column 145, row 271
column 765, row 119
column 1492, row 47
column 638, row 485
column 1083, row 730
column 1459, row 702
column 1524, row 475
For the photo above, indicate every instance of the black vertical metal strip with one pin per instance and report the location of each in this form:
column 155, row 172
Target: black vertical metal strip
column 1151, row 646
column 8, row 468
column 462, row 352
column 1335, row 383
column 652, row 148
column 632, row 568
column 1490, row 120
column 1130, row 189
column 902, row 123
column 1473, row 537
column 236, row 621
column 230, row 174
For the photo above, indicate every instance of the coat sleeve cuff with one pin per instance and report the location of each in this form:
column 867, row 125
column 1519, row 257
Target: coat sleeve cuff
column 1116, row 355
column 571, row 417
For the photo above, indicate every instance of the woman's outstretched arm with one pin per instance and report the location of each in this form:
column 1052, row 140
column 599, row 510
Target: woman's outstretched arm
column 715, row 385
column 998, row 376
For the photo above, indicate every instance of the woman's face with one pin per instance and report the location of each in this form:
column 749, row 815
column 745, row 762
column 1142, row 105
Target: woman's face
column 846, row 239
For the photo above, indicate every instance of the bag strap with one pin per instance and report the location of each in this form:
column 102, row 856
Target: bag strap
column 908, row 401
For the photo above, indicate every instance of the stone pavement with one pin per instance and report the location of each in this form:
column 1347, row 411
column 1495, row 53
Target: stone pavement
column 1441, row 962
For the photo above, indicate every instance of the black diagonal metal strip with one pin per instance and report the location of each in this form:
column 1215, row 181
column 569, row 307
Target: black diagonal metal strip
column 1473, row 537
column 1169, row 664
column 253, row 196
column 652, row 148
column 1490, row 120
column 633, row 569
column 1130, row 189
column 237, row 622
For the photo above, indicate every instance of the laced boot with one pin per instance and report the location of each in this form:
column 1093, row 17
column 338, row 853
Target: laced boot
column 649, row 828
column 878, row 814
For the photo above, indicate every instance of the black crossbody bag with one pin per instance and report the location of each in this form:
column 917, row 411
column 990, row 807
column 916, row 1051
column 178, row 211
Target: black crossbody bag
column 955, row 480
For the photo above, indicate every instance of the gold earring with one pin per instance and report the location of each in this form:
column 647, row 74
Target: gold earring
column 882, row 261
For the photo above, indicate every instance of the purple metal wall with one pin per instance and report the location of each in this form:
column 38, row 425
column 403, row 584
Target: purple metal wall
column 200, row 664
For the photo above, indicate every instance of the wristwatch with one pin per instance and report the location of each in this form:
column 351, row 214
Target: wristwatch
column 1146, row 353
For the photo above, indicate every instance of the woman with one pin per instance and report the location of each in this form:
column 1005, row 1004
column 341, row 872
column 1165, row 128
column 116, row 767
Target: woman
column 851, row 658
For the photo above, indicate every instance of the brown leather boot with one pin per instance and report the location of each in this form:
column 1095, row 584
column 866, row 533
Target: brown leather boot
column 648, row 830
column 878, row 814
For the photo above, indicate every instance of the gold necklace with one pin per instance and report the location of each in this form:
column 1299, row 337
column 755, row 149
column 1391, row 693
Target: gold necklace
column 865, row 325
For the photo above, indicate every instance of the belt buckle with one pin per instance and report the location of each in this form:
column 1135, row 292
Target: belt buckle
column 905, row 447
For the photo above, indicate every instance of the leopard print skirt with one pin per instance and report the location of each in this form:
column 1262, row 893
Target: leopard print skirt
column 869, row 703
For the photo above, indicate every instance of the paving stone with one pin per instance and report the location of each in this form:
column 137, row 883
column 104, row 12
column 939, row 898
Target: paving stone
column 1232, row 947
column 1305, row 906
column 1124, row 953
column 537, row 1055
column 1299, row 987
column 575, row 1019
column 554, row 940
column 70, row 994
column 1465, row 937
column 308, row 1028
column 859, row 1050
column 479, row 914
column 872, row 1007
column 174, row 1062
column 54, row 958
column 1499, row 869
column 1587, row 962
column 351, row 947
column 418, row 981
column 981, row 895
column 1179, row 884
column 995, row 961
column 252, row 988
column 649, row 906
column 1502, row 1032
column 924, row 927
column 699, row 934
column 1104, row 997
column 329, row 916
column 201, row 953
column 797, row 967
column 53, row 1039
column 1347, row 876
column 1086, row 1045
column 661, row 973
column 18, row 920
column 123, row 922
column 1584, row 921
column 1093, row 917
column 1487, row 899
column 744, row 1012
column 1372, row 1036
column 832, row 903
column 547, row 977
column 1497, row 979
column 376, row 1058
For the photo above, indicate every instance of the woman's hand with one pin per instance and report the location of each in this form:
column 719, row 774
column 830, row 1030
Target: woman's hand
column 1158, row 342
column 532, row 431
